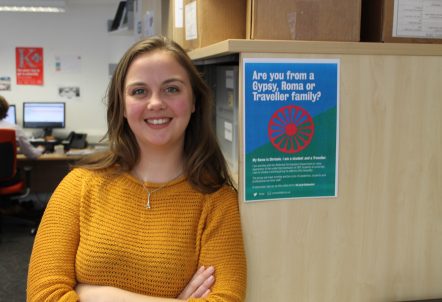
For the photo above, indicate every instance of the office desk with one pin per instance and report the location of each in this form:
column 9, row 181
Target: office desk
column 48, row 170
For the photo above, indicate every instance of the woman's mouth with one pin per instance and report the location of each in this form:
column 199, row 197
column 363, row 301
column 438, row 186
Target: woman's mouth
column 158, row 121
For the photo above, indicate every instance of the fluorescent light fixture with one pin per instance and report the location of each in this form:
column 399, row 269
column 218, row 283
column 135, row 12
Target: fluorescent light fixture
column 31, row 9
column 33, row 6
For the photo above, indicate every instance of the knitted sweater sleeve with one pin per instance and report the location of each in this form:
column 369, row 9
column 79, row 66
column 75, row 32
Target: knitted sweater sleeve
column 51, row 275
column 222, row 247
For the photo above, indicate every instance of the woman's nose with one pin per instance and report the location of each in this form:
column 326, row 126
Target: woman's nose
column 156, row 103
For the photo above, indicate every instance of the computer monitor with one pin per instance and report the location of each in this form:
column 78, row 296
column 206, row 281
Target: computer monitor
column 44, row 115
column 11, row 116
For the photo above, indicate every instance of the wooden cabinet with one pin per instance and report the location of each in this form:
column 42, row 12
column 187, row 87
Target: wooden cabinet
column 381, row 238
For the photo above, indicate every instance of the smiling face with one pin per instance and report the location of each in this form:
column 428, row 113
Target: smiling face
column 158, row 100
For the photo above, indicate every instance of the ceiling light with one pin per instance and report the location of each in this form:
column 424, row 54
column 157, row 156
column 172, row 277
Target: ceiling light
column 47, row 6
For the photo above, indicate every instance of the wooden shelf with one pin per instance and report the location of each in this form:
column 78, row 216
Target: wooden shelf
column 233, row 46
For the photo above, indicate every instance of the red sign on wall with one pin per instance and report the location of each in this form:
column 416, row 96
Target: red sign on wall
column 29, row 65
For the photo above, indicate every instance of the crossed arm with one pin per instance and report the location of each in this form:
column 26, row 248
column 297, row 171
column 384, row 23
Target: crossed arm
column 198, row 287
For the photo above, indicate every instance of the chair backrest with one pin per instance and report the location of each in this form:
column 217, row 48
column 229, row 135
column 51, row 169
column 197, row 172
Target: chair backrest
column 8, row 154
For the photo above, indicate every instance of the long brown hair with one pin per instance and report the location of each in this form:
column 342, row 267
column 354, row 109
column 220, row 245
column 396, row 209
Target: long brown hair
column 204, row 163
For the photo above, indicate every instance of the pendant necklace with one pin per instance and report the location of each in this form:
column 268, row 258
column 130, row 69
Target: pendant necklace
column 149, row 193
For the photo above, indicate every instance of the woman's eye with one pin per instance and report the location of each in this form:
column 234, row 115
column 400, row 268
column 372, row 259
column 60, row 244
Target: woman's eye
column 137, row 91
column 172, row 90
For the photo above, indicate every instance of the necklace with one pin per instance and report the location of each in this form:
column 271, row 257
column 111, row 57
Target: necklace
column 149, row 193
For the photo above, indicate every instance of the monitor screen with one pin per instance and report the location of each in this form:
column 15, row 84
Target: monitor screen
column 11, row 116
column 46, row 115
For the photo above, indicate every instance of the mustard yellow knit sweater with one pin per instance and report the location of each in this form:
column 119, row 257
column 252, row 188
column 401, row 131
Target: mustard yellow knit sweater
column 97, row 230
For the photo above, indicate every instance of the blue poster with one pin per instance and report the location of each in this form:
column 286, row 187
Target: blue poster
column 290, row 128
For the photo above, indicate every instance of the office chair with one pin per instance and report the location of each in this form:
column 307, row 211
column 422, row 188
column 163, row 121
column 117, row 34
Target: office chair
column 14, row 190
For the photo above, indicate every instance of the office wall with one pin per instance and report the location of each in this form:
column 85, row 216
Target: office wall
column 81, row 31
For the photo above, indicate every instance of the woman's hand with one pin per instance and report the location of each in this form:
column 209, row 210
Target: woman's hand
column 200, row 284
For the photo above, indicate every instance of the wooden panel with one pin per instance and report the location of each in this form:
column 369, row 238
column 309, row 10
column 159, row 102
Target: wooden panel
column 381, row 238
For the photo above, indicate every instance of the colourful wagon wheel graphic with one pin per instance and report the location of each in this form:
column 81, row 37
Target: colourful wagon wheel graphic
column 291, row 129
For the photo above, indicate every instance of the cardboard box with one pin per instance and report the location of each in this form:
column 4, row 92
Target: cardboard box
column 321, row 20
column 176, row 21
column 210, row 21
column 412, row 21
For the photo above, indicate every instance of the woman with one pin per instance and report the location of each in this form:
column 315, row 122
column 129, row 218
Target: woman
column 156, row 218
